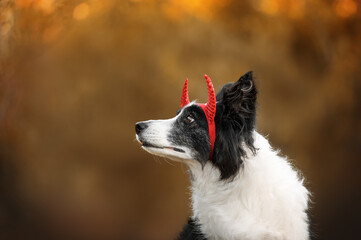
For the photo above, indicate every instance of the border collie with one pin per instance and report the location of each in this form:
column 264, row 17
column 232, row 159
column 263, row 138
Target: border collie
column 241, row 187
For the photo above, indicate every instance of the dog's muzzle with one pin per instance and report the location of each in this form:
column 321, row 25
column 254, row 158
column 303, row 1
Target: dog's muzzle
column 140, row 126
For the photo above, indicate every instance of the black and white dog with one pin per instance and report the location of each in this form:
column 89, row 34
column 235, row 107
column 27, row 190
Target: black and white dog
column 241, row 187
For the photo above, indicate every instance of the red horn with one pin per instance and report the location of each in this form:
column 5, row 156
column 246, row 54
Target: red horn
column 211, row 103
column 185, row 98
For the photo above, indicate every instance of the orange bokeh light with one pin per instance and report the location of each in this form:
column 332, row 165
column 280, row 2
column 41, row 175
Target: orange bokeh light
column 81, row 11
column 202, row 9
column 270, row 7
column 47, row 6
column 345, row 8
column 24, row 3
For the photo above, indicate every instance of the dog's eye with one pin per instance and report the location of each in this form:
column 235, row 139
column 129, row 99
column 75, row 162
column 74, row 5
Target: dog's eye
column 189, row 119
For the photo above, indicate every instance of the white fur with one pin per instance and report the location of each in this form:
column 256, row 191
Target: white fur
column 266, row 200
column 156, row 134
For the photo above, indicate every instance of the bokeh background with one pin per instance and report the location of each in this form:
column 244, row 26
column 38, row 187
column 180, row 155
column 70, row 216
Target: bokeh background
column 76, row 75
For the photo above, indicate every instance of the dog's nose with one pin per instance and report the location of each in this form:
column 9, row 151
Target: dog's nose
column 140, row 126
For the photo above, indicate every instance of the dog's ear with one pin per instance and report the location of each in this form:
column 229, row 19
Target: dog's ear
column 235, row 122
column 240, row 98
column 221, row 92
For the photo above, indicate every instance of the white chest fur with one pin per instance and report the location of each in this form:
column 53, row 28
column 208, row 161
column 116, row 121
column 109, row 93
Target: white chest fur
column 266, row 200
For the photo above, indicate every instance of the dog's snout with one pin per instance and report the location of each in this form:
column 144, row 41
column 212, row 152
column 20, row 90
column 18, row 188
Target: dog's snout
column 140, row 126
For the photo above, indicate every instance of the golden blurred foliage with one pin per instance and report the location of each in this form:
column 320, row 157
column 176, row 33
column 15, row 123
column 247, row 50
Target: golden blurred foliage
column 81, row 11
column 46, row 6
column 76, row 75
column 345, row 8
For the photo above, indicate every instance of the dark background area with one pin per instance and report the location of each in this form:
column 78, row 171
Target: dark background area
column 75, row 76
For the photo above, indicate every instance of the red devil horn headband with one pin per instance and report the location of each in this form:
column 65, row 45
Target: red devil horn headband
column 211, row 103
column 185, row 98
column 209, row 109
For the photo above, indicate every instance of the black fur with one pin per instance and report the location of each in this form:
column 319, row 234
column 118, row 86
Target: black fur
column 194, row 135
column 191, row 231
column 235, row 122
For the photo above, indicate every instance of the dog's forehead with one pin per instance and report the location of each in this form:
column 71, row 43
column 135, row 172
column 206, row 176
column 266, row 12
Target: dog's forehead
column 190, row 108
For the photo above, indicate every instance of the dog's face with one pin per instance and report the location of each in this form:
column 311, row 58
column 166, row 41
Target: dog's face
column 185, row 137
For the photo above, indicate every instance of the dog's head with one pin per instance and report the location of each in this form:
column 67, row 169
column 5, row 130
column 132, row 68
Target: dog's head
column 187, row 136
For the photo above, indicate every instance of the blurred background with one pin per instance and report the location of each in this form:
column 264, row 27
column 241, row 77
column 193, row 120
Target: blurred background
column 75, row 76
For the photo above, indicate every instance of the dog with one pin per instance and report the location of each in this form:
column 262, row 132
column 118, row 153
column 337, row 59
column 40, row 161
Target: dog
column 241, row 187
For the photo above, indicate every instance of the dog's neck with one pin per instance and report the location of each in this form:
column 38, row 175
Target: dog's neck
column 213, row 199
column 208, row 188
column 252, row 204
column 206, row 180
